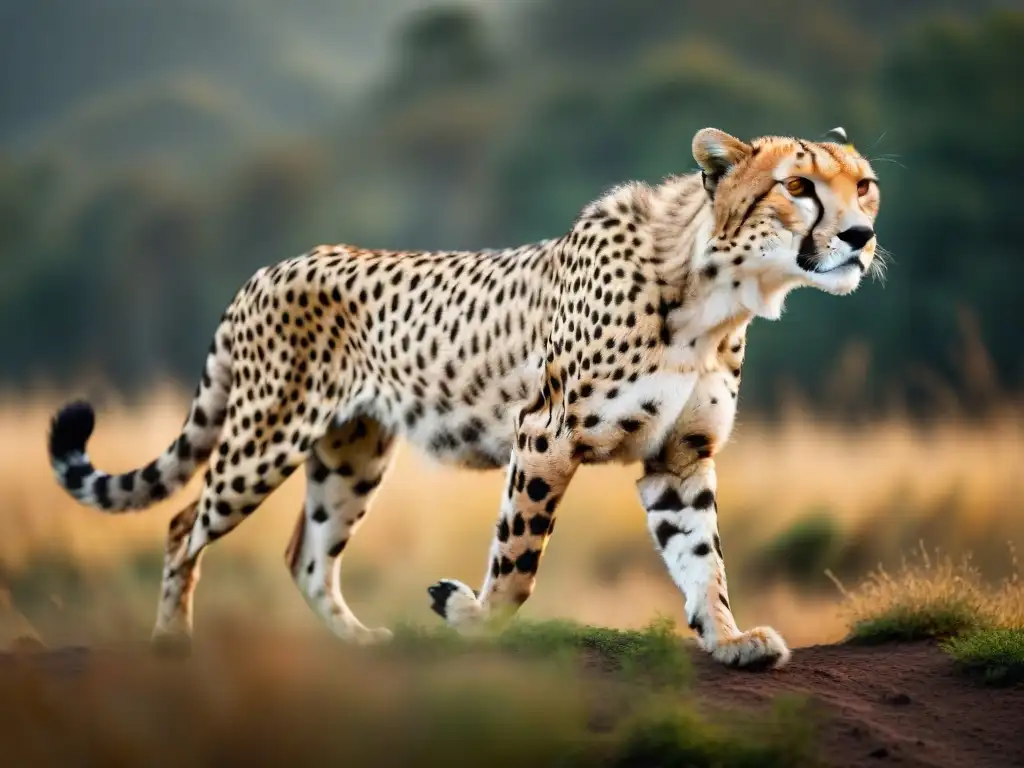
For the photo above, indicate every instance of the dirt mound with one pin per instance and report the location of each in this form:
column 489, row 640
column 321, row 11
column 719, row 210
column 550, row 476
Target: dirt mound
column 894, row 704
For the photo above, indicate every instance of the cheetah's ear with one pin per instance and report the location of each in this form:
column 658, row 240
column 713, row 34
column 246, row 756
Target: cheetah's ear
column 716, row 152
column 838, row 135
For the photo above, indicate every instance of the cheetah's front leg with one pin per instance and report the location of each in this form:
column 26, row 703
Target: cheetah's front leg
column 539, row 472
column 678, row 492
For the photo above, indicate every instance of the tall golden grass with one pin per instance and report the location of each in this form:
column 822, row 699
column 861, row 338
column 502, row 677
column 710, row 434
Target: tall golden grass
column 957, row 484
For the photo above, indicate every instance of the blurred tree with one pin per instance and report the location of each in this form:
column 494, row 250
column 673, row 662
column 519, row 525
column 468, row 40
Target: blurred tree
column 265, row 209
column 434, row 116
column 477, row 135
column 443, row 47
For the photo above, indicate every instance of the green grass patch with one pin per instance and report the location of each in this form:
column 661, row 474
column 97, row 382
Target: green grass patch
column 656, row 652
column 672, row 735
column 996, row 654
column 917, row 622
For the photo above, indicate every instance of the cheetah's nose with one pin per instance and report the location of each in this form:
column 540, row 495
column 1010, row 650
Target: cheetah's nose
column 856, row 237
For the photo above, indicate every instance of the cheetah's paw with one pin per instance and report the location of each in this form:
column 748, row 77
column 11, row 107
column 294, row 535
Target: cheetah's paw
column 457, row 604
column 759, row 648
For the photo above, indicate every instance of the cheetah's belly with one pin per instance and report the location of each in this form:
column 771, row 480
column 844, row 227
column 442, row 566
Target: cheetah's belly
column 472, row 435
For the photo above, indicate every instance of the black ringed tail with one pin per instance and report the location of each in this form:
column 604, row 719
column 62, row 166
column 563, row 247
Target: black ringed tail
column 73, row 424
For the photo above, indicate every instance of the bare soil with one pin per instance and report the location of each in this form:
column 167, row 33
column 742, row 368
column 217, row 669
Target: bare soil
column 891, row 704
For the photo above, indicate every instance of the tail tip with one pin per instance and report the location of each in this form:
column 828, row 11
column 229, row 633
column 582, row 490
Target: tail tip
column 70, row 429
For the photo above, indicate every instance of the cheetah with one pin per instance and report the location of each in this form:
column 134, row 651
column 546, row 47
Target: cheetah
column 620, row 341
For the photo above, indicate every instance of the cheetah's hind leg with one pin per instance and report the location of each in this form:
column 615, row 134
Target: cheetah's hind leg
column 342, row 474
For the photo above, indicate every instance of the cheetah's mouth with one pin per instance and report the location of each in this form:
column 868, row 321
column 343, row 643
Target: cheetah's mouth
column 853, row 261
column 817, row 264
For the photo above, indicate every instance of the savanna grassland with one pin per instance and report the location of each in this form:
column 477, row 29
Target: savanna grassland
column 797, row 498
column 818, row 522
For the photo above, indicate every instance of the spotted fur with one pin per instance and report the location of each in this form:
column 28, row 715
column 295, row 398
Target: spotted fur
column 620, row 341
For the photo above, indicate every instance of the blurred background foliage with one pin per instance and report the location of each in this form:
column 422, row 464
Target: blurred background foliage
column 155, row 153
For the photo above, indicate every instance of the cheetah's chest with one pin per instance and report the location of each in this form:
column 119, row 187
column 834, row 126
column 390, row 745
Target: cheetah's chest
column 635, row 423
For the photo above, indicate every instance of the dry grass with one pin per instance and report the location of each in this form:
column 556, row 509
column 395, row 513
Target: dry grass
column 932, row 597
column 78, row 575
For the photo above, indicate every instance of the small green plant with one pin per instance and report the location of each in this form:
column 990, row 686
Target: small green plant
column 997, row 654
column 930, row 598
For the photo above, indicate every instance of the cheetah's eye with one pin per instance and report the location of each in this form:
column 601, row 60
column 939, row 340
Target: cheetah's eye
column 864, row 186
column 798, row 186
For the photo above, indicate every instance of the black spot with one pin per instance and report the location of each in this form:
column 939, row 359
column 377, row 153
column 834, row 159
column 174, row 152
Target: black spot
column 702, row 549
column 320, row 473
column 528, row 561
column 723, row 599
column 319, row 515
column 700, row 443
column 705, row 499
column 669, row 501
column 541, row 444
column 518, row 525
column 75, row 476
column 503, row 530
column 630, row 425
column 665, row 531
column 151, row 474
column 539, row 524
column 101, row 490
column 537, row 489
column 697, row 626
column 697, row 441
column 337, row 548
column 439, row 594
column 158, row 491
column 363, row 487
column 184, row 448
column 718, row 546
column 127, row 482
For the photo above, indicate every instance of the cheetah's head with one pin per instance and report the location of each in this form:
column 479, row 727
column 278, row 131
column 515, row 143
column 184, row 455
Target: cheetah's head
column 797, row 212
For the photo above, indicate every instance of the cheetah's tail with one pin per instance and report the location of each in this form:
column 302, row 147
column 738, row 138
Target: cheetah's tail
column 137, row 489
